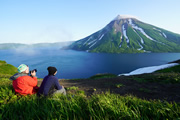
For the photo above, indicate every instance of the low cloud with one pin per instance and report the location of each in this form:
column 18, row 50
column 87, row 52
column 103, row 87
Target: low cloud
column 26, row 51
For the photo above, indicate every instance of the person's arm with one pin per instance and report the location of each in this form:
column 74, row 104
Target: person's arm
column 57, row 85
column 32, row 81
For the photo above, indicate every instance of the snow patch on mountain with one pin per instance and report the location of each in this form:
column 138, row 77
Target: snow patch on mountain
column 142, row 41
column 157, row 29
column 164, row 35
column 120, row 41
column 130, row 21
column 87, row 40
column 124, row 33
column 101, row 36
column 140, row 46
column 149, row 69
column 138, row 28
column 142, row 31
column 92, row 41
column 161, row 33
column 93, row 44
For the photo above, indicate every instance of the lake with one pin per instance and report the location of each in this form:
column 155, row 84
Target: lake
column 77, row 64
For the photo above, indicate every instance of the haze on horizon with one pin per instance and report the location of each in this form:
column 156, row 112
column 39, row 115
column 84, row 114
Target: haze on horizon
column 46, row 21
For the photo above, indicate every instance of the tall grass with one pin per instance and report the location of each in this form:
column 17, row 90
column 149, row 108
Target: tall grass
column 77, row 107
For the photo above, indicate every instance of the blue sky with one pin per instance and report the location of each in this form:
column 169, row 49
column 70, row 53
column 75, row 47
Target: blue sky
column 37, row 21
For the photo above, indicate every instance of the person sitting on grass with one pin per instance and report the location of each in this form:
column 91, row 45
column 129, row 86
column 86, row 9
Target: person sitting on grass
column 24, row 84
column 50, row 85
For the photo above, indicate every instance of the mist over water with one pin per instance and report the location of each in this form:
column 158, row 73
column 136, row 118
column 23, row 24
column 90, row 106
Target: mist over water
column 76, row 64
column 26, row 51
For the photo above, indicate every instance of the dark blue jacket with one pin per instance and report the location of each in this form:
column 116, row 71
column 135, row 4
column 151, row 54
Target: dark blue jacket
column 48, row 85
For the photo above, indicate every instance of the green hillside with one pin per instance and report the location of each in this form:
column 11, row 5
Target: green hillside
column 7, row 69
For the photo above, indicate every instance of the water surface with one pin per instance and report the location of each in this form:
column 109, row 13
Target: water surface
column 76, row 64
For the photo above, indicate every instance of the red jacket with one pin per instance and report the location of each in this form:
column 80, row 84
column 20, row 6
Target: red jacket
column 25, row 85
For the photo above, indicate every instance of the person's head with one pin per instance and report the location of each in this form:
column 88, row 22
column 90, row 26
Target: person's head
column 52, row 70
column 23, row 69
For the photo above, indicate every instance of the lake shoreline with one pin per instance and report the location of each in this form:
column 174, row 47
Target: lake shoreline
column 74, row 64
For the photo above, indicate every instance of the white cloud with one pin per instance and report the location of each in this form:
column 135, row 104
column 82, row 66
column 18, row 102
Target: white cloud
column 125, row 16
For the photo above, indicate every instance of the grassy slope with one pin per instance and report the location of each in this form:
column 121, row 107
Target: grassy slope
column 7, row 69
column 175, row 69
column 98, row 106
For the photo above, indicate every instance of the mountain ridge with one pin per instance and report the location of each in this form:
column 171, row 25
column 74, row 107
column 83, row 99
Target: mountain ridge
column 126, row 34
column 35, row 45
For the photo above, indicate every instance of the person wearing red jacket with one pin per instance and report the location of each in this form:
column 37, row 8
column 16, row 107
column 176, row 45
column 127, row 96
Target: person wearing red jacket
column 24, row 84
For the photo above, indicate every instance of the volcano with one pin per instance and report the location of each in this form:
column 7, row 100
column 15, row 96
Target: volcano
column 127, row 34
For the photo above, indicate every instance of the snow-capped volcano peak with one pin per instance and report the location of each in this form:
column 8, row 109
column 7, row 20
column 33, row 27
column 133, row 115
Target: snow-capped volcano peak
column 124, row 17
column 127, row 34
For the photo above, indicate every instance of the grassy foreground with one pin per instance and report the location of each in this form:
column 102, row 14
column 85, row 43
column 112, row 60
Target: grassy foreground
column 78, row 106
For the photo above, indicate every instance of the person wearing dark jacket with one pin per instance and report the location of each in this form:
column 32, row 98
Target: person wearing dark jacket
column 50, row 84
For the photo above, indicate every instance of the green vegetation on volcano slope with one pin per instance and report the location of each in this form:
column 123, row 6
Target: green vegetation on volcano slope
column 110, row 44
column 171, row 45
